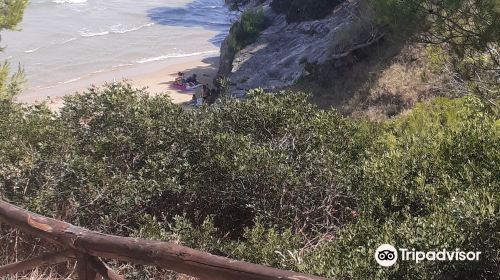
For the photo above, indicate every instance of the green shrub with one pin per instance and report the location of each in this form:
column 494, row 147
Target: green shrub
column 245, row 31
column 117, row 154
column 433, row 184
column 268, row 246
column 271, row 157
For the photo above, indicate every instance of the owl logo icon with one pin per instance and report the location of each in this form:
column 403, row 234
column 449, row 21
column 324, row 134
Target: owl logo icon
column 386, row 255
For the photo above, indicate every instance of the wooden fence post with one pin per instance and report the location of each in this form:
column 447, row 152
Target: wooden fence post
column 84, row 269
column 103, row 270
column 46, row 260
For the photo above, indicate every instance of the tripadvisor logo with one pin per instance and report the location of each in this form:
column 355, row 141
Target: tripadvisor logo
column 386, row 255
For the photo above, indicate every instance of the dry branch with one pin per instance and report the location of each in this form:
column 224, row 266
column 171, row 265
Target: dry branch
column 373, row 40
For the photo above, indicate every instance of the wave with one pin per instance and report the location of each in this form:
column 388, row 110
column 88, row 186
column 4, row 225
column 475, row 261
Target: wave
column 115, row 29
column 61, row 43
column 69, row 1
column 174, row 55
column 93, row 34
column 67, row 41
column 32, row 50
column 121, row 66
column 71, row 81
column 98, row 71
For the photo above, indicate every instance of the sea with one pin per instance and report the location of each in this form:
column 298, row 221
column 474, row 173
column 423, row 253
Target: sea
column 64, row 41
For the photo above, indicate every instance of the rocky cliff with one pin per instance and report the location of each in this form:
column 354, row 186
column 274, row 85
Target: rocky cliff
column 279, row 56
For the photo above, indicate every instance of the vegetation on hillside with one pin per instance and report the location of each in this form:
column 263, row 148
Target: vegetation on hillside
column 468, row 32
column 429, row 49
column 245, row 31
column 273, row 180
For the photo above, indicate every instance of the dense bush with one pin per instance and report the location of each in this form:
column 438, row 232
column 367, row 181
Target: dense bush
column 272, row 180
column 301, row 10
column 432, row 184
column 116, row 154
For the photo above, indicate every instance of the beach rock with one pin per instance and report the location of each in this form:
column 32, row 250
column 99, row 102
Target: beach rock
column 279, row 56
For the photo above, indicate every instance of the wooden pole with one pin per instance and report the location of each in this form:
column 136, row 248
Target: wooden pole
column 45, row 260
column 161, row 254
column 83, row 268
column 103, row 269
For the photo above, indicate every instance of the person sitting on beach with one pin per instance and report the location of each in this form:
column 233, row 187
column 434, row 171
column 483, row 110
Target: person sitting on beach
column 199, row 96
column 193, row 99
column 205, row 93
column 180, row 78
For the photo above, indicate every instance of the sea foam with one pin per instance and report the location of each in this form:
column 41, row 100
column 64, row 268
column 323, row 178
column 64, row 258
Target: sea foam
column 32, row 50
column 115, row 29
column 173, row 55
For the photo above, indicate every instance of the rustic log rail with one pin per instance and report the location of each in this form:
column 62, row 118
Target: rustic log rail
column 88, row 246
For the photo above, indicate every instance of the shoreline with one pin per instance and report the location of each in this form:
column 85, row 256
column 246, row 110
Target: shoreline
column 156, row 76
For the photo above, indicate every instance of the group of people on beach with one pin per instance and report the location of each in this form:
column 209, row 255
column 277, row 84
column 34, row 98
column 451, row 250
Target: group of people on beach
column 202, row 93
column 191, row 81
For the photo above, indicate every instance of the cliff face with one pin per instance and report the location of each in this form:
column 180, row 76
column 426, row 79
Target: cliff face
column 279, row 56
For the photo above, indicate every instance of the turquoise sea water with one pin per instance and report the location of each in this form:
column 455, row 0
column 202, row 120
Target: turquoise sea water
column 63, row 41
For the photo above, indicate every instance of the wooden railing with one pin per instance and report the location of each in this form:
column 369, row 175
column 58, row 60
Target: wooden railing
column 87, row 247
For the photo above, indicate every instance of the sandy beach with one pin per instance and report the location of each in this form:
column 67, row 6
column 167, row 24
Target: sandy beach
column 64, row 47
column 157, row 77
